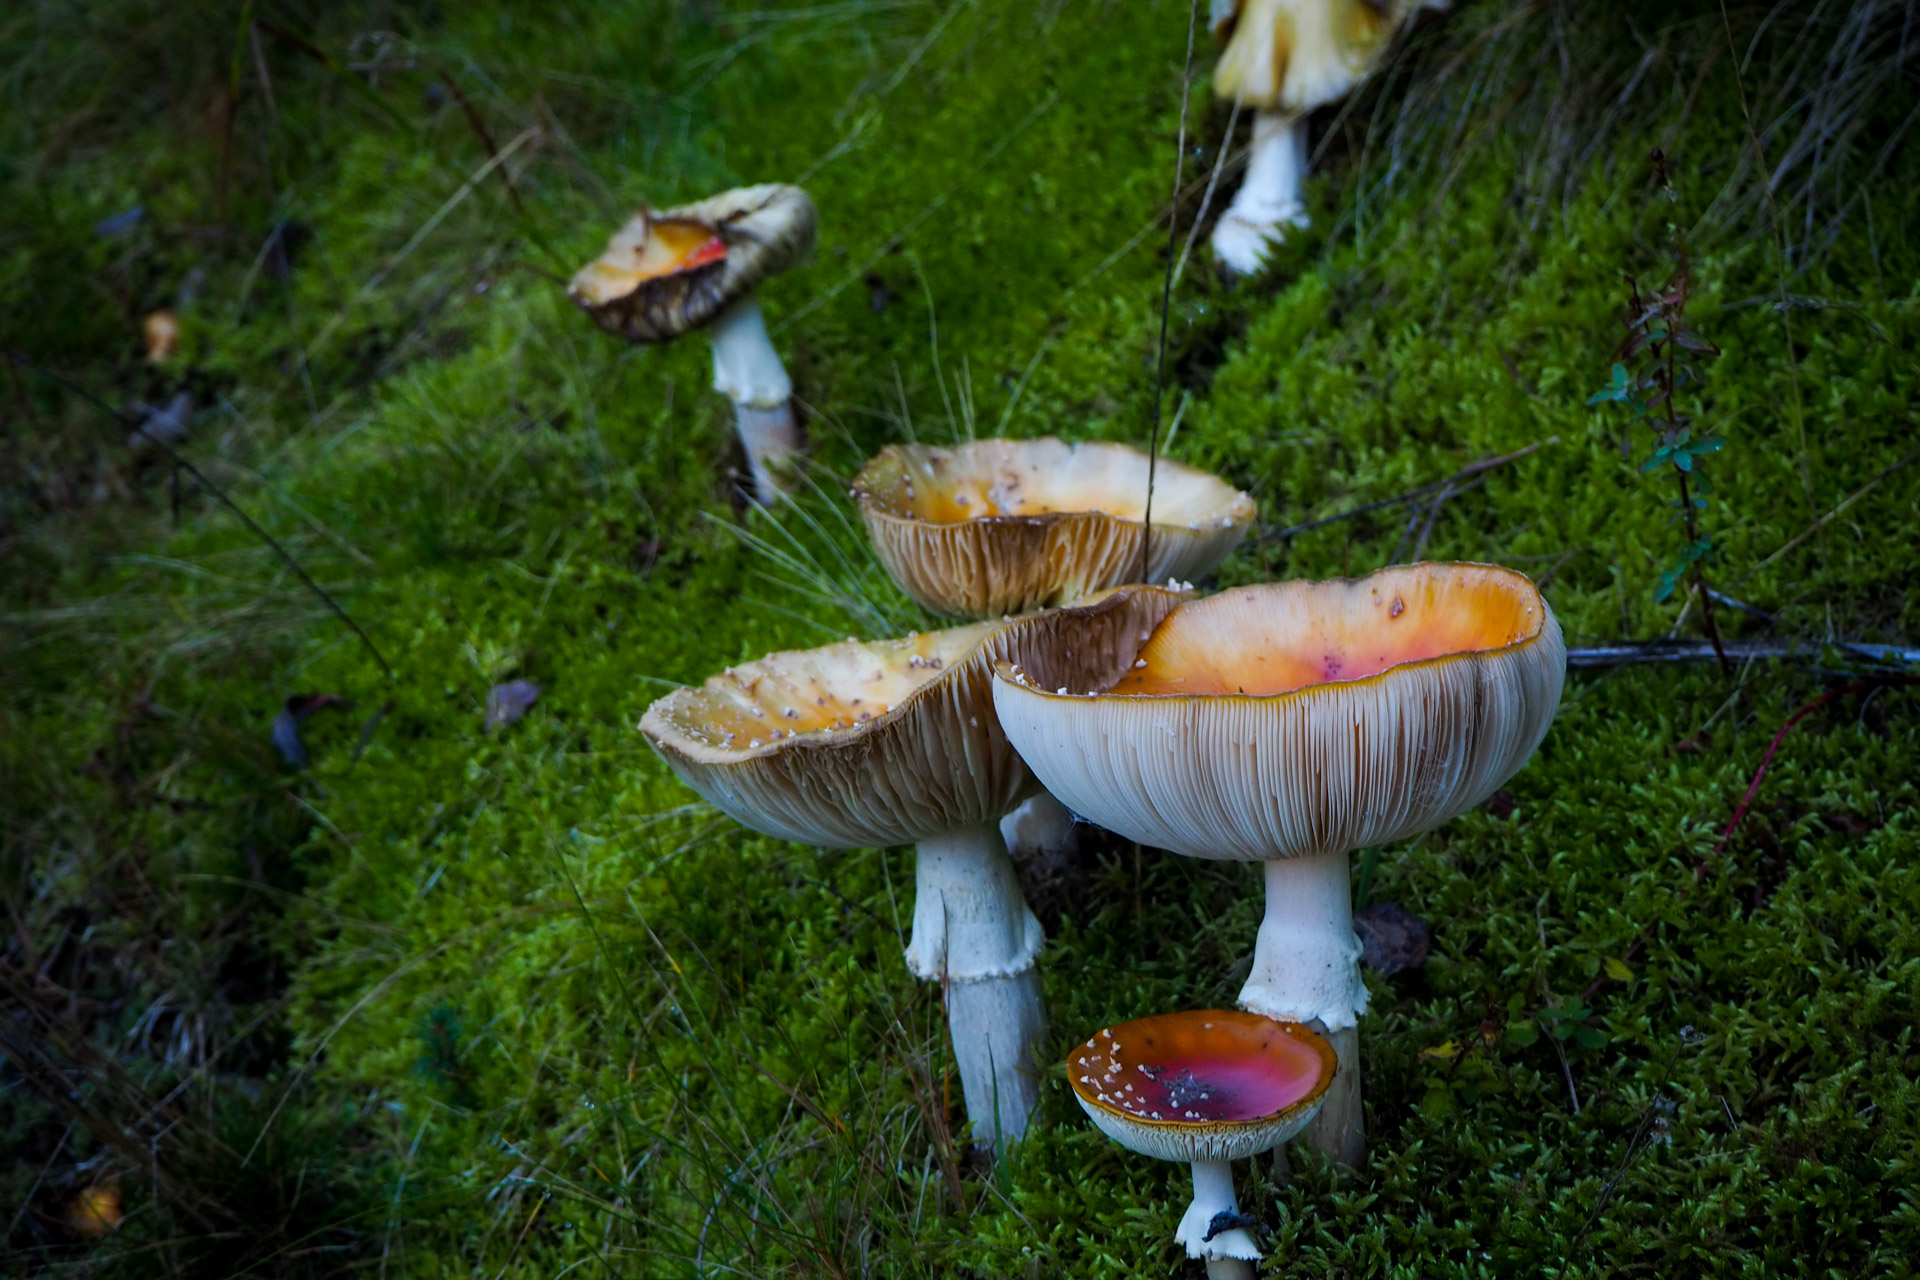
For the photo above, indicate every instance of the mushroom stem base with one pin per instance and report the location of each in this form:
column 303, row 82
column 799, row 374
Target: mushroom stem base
column 995, row 1022
column 1213, row 1195
column 1339, row 1131
column 771, row 437
column 1268, row 201
column 973, row 933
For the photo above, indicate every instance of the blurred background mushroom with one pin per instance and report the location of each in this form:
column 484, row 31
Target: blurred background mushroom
column 700, row 265
column 1205, row 1088
column 1284, row 58
column 887, row 742
column 1292, row 724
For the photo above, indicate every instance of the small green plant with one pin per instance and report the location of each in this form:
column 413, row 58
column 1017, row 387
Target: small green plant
column 1660, row 357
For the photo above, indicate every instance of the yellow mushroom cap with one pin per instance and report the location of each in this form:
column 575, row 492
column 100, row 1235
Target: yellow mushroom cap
column 1295, row 55
column 1210, row 1084
column 1000, row 526
column 666, row 272
column 884, row 742
column 1303, row 718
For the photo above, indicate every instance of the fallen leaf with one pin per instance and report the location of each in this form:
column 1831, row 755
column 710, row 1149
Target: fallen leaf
column 1618, row 970
column 286, row 725
column 162, row 332
column 166, row 426
column 95, row 1211
column 120, row 223
column 1392, row 939
column 1446, row 1051
column 507, row 702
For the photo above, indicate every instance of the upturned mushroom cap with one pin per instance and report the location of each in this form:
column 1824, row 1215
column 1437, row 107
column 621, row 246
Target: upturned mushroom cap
column 1304, row 718
column 884, row 742
column 1212, row 1084
column 664, row 273
column 1295, row 55
column 999, row 526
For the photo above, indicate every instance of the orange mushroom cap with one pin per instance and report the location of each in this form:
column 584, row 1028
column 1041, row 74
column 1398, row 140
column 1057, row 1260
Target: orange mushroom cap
column 1303, row 718
column 1210, row 1084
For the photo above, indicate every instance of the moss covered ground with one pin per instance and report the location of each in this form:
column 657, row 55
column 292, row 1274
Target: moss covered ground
column 510, row 1002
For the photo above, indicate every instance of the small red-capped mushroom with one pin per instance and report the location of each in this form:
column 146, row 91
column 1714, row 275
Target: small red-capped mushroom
column 1204, row 1088
column 1292, row 724
column 699, row 266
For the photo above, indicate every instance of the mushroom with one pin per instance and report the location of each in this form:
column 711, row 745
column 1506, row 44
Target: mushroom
column 1206, row 1087
column 1284, row 58
column 665, row 273
column 1292, row 724
column 885, row 742
column 999, row 526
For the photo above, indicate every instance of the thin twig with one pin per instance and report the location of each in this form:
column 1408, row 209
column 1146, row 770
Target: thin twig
column 1821, row 523
column 180, row 460
column 1412, row 495
column 1628, row 653
column 1166, row 296
column 1753, row 788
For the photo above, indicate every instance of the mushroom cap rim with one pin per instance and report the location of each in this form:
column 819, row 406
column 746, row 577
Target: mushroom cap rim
column 1330, row 1062
column 1014, row 675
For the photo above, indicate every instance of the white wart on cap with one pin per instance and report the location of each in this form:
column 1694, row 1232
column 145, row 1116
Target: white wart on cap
column 1305, row 718
column 1001, row 526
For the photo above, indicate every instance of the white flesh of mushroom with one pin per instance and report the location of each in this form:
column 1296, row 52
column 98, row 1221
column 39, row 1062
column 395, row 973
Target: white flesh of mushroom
column 1040, row 825
column 748, row 371
column 1268, row 201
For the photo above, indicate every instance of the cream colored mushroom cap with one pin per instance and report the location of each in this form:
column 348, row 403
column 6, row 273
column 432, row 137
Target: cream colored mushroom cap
column 1295, row 55
column 666, row 272
column 1304, row 718
column 1206, row 1084
column 1000, row 526
column 885, row 742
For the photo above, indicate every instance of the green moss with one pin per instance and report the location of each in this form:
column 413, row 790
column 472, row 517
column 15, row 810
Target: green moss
column 581, row 1016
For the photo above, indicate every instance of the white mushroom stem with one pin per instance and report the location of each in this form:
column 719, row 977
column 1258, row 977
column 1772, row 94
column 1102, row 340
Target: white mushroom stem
column 747, row 370
column 1306, row 968
column 1041, row 824
column 972, row 932
column 1231, row 1253
column 1269, row 197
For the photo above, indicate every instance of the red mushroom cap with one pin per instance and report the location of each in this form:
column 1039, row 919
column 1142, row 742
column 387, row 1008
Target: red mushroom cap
column 1210, row 1084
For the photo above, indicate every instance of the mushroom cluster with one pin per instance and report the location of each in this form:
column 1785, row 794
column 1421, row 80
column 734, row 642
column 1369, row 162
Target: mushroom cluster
column 1291, row 725
column 992, row 527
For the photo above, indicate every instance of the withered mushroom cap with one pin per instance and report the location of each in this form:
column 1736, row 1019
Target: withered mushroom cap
column 877, row 743
column 1210, row 1084
column 1295, row 55
column 1304, row 718
column 999, row 526
column 666, row 272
